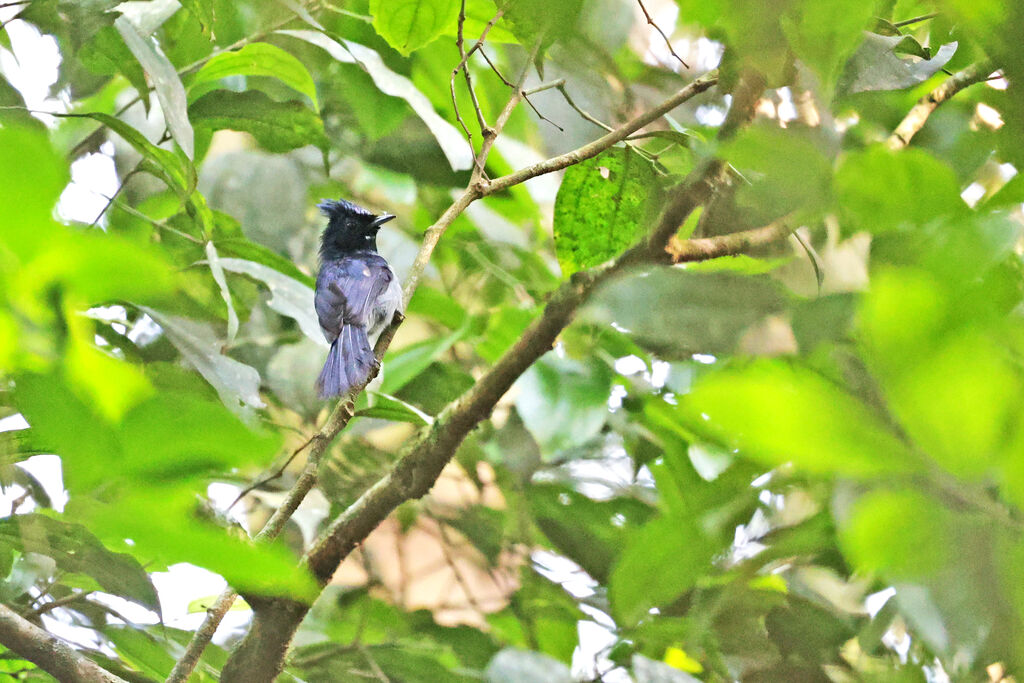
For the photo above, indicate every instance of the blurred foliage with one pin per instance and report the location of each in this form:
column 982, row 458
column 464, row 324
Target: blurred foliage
column 801, row 464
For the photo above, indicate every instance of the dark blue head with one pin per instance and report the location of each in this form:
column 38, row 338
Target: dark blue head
column 349, row 228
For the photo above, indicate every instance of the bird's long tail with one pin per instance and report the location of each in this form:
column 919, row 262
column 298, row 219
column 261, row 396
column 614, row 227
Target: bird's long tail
column 348, row 365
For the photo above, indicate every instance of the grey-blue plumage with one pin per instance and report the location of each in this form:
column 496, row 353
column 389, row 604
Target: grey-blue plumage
column 357, row 295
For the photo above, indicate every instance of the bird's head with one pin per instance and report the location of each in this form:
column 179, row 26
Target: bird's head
column 349, row 228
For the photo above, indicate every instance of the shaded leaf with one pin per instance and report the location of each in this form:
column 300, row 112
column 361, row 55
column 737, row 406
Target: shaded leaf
column 522, row 666
column 76, row 550
column 277, row 126
column 237, row 384
column 556, row 392
column 697, row 312
column 387, row 407
column 880, row 64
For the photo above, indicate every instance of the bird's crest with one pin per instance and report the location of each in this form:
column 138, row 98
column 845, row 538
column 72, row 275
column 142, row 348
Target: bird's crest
column 340, row 208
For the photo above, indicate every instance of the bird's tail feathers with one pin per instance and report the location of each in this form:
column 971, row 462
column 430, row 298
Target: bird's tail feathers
column 348, row 365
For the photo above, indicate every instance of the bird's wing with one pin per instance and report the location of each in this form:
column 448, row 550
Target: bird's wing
column 347, row 289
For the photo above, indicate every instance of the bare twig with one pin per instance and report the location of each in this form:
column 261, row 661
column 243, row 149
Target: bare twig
column 54, row 604
column 668, row 43
column 918, row 115
column 48, row 652
column 916, row 20
column 278, row 473
column 704, row 248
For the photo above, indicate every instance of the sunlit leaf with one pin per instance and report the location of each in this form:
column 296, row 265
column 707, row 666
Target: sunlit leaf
column 237, row 384
column 408, row 25
column 603, row 207
column 775, row 413
column 257, row 59
column 288, row 296
column 878, row 65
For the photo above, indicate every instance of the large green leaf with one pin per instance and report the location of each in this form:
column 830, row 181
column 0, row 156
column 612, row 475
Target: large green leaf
column 256, row 59
column 277, row 126
column 76, row 550
column 603, row 206
column 776, row 412
column 659, row 563
column 879, row 190
column 408, row 25
column 695, row 312
column 28, row 192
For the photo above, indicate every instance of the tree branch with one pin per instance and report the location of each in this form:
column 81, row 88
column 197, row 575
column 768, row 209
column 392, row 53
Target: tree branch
column 918, row 115
column 704, row 248
column 48, row 652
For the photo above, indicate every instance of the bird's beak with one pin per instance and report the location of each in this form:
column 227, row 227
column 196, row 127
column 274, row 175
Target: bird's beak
column 381, row 220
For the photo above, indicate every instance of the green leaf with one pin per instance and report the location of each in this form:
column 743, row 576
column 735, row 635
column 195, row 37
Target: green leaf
column 408, row 25
column 879, row 190
column 203, row 11
column 106, row 53
column 277, row 126
column 660, row 562
column 775, row 413
column 557, row 392
column 504, row 328
column 76, row 550
column 178, row 534
column 590, row 533
column 395, row 409
column 878, row 64
column 402, row 365
column 28, row 192
column 237, row 384
column 176, row 436
column 454, row 146
column 169, row 90
column 257, row 59
column 824, row 34
column 884, row 526
column 289, row 296
column 603, row 207
column 697, row 312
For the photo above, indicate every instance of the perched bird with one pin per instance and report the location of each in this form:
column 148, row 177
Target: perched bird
column 357, row 294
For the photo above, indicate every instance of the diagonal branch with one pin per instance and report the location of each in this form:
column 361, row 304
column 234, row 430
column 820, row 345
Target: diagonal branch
column 918, row 115
column 48, row 652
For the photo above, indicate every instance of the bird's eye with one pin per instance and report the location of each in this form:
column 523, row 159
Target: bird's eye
column 367, row 237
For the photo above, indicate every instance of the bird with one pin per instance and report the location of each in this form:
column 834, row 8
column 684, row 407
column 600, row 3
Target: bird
column 357, row 295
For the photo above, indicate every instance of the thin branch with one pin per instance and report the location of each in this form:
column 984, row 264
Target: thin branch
column 54, row 604
column 668, row 43
column 704, row 248
column 48, row 652
column 918, row 115
column 278, row 473
column 916, row 20
column 601, row 144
